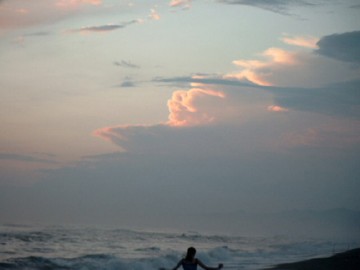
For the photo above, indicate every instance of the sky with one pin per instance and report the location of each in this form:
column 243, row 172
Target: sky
column 182, row 113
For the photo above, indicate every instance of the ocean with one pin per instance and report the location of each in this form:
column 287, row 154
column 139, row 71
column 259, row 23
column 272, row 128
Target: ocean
column 29, row 247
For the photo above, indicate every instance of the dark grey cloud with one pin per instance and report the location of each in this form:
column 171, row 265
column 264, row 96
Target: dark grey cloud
column 357, row 6
column 277, row 6
column 38, row 34
column 343, row 47
column 126, row 64
column 24, row 158
column 127, row 83
column 214, row 80
column 340, row 99
column 169, row 174
column 105, row 28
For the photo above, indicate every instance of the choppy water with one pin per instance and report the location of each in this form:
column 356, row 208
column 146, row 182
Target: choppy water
column 87, row 248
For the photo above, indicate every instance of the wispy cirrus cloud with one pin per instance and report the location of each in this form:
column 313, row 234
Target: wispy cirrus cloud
column 24, row 158
column 104, row 28
column 307, row 42
column 128, row 82
column 277, row 6
column 126, row 64
column 186, row 4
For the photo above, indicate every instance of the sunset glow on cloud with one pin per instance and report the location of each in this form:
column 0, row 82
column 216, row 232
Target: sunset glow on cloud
column 261, row 71
column 72, row 3
column 308, row 42
column 185, row 110
column 154, row 15
column 177, row 3
column 275, row 108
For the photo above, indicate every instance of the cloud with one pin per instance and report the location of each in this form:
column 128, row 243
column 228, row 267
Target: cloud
column 357, row 6
column 261, row 71
column 126, row 64
column 344, row 47
column 154, row 15
column 337, row 99
column 38, row 34
column 75, row 3
column 336, row 134
column 276, row 108
column 308, row 42
column 187, row 108
column 190, row 108
column 205, row 79
column 180, row 3
column 277, row 6
column 215, row 100
column 105, row 28
column 24, row 158
column 22, row 14
column 334, row 99
column 127, row 83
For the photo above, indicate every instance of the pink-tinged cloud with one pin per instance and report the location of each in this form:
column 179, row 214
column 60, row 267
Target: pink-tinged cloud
column 180, row 3
column 154, row 15
column 106, row 133
column 280, row 56
column 307, row 42
column 194, row 107
column 260, row 71
column 19, row 13
column 249, row 75
column 75, row 3
column 275, row 108
column 190, row 108
column 124, row 134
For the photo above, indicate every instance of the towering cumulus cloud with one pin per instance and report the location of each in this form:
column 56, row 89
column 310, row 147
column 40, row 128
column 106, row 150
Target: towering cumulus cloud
column 187, row 108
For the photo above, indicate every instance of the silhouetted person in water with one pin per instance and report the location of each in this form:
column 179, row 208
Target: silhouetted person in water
column 191, row 263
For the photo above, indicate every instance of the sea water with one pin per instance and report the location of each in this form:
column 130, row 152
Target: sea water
column 87, row 248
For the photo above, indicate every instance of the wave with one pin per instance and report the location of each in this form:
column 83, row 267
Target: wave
column 87, row 262
column 25, row 236
column 112, row 262
column 87, row 248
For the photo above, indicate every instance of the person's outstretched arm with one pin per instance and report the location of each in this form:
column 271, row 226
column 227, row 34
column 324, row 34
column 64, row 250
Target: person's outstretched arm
column 207, row 267
column 178, row 265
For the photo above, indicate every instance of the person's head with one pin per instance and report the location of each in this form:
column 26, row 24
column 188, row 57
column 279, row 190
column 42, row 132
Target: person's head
column 190, row 255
